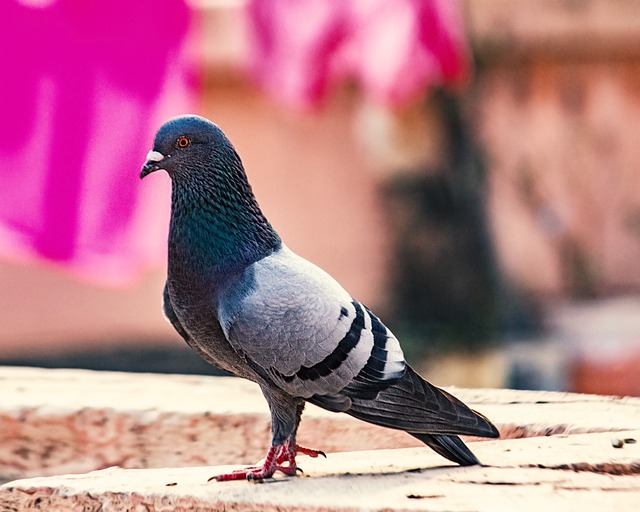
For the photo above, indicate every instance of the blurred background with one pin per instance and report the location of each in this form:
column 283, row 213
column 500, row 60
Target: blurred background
column 470, row 170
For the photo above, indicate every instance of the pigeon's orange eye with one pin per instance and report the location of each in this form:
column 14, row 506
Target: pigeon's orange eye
column 183, row 142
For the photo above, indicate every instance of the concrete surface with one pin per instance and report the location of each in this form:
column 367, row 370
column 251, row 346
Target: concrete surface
column 73, row 421
column 62, row 421
column 580, row 472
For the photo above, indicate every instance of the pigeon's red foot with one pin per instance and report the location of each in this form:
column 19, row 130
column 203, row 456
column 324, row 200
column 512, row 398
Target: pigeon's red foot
column 288, row 453
column 279, row 458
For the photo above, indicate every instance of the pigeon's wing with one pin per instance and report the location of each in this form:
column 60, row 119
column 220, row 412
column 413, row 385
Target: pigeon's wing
column 301, row 330
column 304, row 331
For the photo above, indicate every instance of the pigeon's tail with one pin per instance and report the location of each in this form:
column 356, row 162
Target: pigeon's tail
column 427, row 413
column 450, row 447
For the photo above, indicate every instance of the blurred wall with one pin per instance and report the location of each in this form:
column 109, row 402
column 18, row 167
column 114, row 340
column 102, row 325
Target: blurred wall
column 555, row 105
column 307, row 172
column 556, row 108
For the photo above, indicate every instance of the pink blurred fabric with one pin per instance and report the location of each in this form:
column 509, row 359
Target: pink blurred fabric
column 393, row 49
column 84, row 85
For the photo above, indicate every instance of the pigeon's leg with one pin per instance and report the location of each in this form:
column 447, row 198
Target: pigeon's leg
column 291, row 449
column 285, row 417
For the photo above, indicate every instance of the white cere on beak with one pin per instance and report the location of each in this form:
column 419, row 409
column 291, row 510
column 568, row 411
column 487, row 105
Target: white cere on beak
column 154, row 156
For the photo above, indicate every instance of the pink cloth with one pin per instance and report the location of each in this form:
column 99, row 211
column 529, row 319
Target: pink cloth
column 394, row 49
column 84, row 85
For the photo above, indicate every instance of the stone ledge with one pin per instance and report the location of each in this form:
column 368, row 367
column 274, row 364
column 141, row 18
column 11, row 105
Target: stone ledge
column 560, row 472
column 54, row 421
column 73, row 421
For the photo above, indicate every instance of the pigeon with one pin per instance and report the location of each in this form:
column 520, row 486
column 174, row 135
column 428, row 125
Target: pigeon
column 249, row 305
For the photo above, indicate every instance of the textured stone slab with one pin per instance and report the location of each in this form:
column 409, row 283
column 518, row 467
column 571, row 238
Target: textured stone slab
column 580, row 472
column 70, row 421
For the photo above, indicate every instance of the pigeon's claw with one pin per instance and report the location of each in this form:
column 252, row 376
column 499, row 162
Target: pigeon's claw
column 280, row 457
column 289, row 451
column 275, row 460
column 238, row 474
column 311, row 452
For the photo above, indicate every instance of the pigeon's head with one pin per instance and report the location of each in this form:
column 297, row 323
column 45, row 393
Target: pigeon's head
column 187, row 143
column 215, row 218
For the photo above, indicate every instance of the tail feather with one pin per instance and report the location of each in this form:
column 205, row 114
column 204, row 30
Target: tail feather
column 450, row 447
column 428, row 413
column 416, row 406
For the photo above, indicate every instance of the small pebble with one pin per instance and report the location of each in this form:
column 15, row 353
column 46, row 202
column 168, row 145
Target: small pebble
column 616, row 442
column 630, row 440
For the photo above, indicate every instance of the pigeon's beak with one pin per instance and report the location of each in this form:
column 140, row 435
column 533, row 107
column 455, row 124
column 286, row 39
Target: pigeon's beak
column 152, row 164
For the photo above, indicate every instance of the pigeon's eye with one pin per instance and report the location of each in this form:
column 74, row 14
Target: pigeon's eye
column 183, row 142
